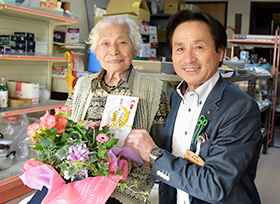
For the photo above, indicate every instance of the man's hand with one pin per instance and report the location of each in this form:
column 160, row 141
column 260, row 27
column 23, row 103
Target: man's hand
column 141, row 141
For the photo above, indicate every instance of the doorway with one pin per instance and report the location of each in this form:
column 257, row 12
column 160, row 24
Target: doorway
column 264, row 20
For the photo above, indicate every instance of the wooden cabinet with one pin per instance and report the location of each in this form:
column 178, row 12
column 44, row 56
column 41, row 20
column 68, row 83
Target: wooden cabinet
column 35, row 68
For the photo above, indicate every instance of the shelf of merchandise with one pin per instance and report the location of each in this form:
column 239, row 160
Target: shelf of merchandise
column 51, row 104
column 16, row 15
column 34, row 68
column 53, row 58
column 259, row 41
column 39, row 14
column 10, row 184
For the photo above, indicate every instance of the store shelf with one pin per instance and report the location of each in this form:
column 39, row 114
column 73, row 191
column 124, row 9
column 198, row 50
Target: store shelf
column 160, row 15
column 253, row 42
column 51, row 104
column 165, row 77
column 265, row 108
column 53, row 58
column 259, row 41
column 241, row 77
column 12, row 172
column 71, row 46
column 34, row 68
column 37, row 14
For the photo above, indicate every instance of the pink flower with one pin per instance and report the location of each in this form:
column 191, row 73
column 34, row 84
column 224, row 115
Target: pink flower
column 43, row 120
column 97, row 123
column 102, row 137
column 32, row 132
column 60, row 125
column 31, row 129
column 50, row 122
column 64, row 109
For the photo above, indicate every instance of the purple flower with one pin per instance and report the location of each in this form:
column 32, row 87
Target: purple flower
column 78, row 154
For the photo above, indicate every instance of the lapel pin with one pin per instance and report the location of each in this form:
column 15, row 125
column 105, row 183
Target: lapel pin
column 209, row 112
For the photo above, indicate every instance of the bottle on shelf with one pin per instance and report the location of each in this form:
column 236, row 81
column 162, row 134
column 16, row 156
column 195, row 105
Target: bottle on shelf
column 3, row 94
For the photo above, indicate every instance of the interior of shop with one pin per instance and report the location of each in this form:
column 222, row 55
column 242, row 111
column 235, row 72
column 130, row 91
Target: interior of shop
column 44, row 50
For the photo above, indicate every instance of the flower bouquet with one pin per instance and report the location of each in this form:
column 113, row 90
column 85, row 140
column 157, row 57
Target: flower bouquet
column 78, row 163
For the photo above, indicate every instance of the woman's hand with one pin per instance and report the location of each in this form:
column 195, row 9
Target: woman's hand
column 141, row 141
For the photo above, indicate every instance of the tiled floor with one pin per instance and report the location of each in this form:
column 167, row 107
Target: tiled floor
column 267, row 179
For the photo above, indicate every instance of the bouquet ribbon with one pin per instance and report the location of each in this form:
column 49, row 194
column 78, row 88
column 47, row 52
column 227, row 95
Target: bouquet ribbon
column 89, row 190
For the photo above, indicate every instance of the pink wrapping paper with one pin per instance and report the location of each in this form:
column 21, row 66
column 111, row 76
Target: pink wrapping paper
column 89, row 190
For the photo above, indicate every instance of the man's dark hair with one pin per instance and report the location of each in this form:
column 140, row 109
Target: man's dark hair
column 216, row 28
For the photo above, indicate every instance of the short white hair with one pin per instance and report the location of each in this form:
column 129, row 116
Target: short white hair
column 127, row 23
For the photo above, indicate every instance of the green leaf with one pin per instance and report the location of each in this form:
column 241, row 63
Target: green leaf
column 103, row 165
column 38, row 147
column 101, row 147
column 62, row 154
column 122, row 185
column 63, row 166
column 45, row 142
column 104, row 155
column 136, row 184
column 118, row 172
column 93, row 157
column 65, row 136
column 106, row 130
column 71, row 170
column 71, row 122
column 50, row 133
column 110, row 143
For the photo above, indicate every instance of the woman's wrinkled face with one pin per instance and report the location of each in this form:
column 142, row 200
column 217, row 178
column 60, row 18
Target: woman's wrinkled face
column 114, row 49
column 194, row 54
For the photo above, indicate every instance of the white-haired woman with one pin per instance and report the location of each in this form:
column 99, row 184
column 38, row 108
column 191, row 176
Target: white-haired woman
column 115, row 40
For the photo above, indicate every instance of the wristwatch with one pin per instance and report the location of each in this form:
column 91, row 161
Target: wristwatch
column 155, row 153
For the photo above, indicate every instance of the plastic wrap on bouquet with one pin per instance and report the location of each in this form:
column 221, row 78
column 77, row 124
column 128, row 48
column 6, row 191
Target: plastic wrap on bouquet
column 89, row 190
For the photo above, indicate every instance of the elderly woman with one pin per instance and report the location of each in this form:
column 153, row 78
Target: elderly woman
column 115, row 40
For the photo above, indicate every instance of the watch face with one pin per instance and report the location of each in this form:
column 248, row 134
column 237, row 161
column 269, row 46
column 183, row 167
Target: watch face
column 156, row 152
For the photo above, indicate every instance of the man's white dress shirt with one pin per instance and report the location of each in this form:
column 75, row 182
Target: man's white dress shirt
column 187, row 117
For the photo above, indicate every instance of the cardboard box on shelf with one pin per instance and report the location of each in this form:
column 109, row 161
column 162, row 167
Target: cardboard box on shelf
column 136, row 19
column 189, row 7
column 153, row 52
column 22, row 36
column 144, row 51
column 152, row 28
column 15, row 102
column 139, row 8
column 66, row 34
column 145, row 28
column 24, row 90
column 65, row 5
column 161, row 36
column 153, row 40
column 145, row 38
column 171, row 6
column 52, row 5
column 148, row 66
